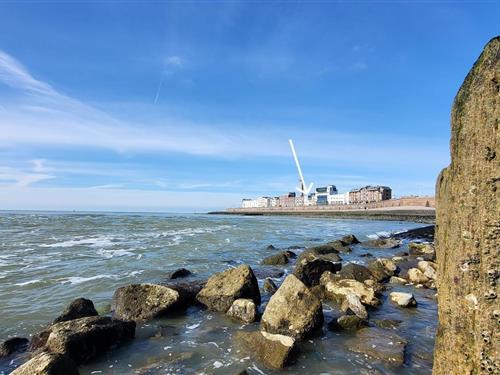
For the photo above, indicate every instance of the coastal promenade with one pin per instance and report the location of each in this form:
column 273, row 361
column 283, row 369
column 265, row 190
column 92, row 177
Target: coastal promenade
column 418, row 209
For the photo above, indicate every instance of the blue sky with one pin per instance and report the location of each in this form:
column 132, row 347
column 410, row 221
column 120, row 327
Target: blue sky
column 184, row 106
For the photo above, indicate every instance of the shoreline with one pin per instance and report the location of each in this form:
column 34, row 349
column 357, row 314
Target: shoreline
column 409, row 214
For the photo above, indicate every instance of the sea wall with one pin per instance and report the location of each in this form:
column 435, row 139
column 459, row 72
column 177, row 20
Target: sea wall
column 468, row 227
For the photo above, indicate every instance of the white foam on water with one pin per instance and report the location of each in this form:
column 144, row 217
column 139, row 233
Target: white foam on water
column 29, row 282
column 193, row 326
column 108, row 254
column 100, row 241
column 381, row 234
column 78, row 280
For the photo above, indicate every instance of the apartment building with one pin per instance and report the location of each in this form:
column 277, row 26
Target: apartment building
column 370, row 194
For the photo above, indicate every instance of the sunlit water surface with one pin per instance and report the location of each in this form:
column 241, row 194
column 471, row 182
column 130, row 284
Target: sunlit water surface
column 48, row 259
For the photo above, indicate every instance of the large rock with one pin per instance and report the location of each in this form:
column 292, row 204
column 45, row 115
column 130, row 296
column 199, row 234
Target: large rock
column 416, row 276
column 85, row 338
column 224, row 288
column 338, row 290
column 293, row 310
column 179, row 273
column 47, row 364
column 79, row 308
column 382, row 269
column 353, row 303
column 428, row 269
column 142, row 302
column 382, row 243
column 187, row 290
column 468, row 226
column 272, row 350
column 350, row 239
column 355, row 272
column 244, row 310
column 424, row 250
column 310, row 267
column 269, row 286
column 347, row 323
column 403, row 299
column 13, row 345
column 277, row 259
column 380, row 344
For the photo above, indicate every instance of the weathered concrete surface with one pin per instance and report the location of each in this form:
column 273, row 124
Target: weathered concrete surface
column 468, row 226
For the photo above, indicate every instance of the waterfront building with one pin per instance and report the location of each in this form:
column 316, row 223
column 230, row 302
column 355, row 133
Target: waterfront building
column 261, row 202
column 338, row 199
column 368, row 194
column 287, row 200
column 323, row 194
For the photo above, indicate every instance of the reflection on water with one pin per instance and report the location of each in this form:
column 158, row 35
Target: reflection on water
column 48, row 259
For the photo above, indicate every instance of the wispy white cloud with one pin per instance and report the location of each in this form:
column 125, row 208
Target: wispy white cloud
column 20, row 178
column 175, row 61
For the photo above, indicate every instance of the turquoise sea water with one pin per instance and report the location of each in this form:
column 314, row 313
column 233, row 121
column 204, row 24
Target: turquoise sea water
column 49, row 259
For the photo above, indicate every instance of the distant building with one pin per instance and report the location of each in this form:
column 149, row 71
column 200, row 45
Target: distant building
column 287, row 200
column 338, row 199
column 323, row 194
column 370, row 194
column 274, row 201
column 261, row 202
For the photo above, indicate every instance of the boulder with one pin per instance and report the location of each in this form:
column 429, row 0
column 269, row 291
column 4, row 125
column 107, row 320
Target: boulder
column 380, row 344
column 269, row 286
column 223, row 288
column 79, row 308
column 272, row 350
column 353, row 303
column 179, row 273
column 310, row 267
column 397, row 280
column 85, row 338
column 271, row 247
column 187, row 291
column 355, row 272
column 428, row 268
column 403, row 299
column 263, row 272
column 13, row 345
column 424, row 250
column 244, row 310
column 338, row 289
column 350, row 239
column 277, row 259
column 293, row 310
column 382, row 268
column 416, row 276
column 347, row 323
column 47, row 364
column 382, row 243
column 387, row 323
column 142, row 302
column 339, row 246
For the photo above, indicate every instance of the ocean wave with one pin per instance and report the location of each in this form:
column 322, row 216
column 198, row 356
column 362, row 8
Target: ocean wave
column 36, row 281
column 79, row 280
column 108, row 254
column 101, row 241
column 381, row 234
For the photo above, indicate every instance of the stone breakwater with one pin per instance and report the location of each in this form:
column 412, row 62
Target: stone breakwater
column 294, row 312
column 468, row 226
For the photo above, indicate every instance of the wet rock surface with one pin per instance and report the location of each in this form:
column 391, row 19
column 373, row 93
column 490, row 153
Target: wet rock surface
column 79, row 308
column 382, row 243
column 143, row 301
column 179, row 273
column 244, row 310
column 293, row 310
column 380, row 344
column 272, row 350
column 224, row 288
column 13, row 345
column 310, row 267
column 356, row 272
column 347, row 323
column 48, row 364
column 403, row 299
column 85, row 338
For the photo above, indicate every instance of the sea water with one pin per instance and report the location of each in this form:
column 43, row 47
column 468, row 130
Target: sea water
column 49, row 259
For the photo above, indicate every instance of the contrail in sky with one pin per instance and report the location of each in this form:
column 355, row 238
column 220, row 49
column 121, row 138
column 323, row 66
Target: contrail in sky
column 159, row 89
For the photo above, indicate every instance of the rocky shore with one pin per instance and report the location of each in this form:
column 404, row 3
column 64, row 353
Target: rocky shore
column 277, row 319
